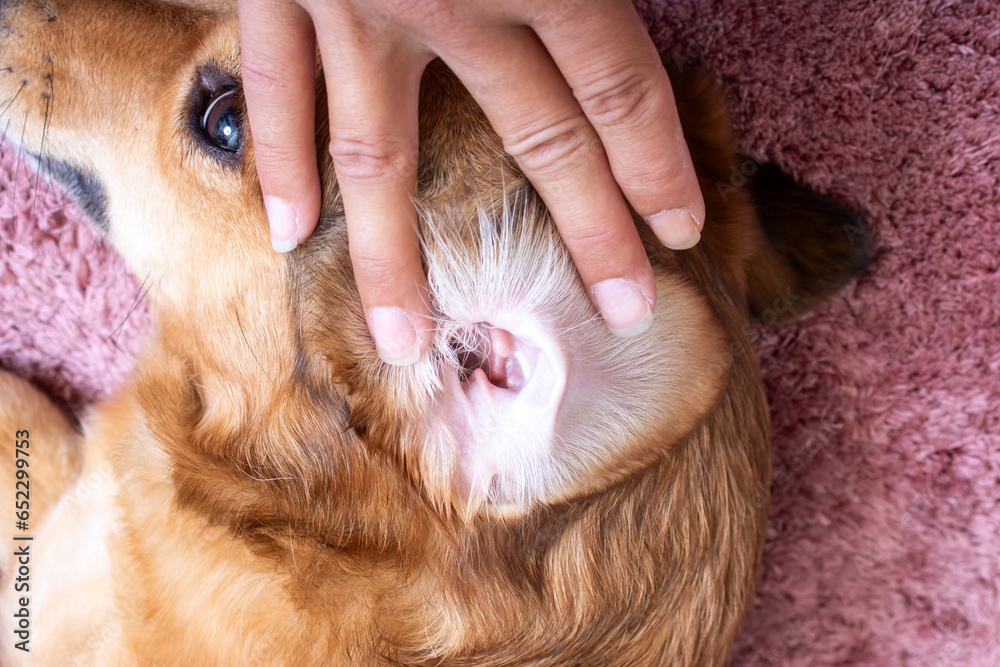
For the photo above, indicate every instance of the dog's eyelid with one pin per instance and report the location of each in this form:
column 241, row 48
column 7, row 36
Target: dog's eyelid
column 215, row 115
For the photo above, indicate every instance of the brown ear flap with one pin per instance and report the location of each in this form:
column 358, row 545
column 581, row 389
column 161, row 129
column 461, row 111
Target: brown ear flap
column 813, row 247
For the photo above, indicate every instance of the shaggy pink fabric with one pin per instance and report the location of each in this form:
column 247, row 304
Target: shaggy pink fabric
column 884, row 536
column 71, row 314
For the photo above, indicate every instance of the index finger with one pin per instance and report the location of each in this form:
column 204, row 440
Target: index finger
column 278, row 54
column 532, row 108
column 608, row 59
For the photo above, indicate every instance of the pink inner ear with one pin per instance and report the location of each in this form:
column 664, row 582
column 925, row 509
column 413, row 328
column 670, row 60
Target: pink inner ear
column 504, row 371
column 506, row 355
column 500, row 408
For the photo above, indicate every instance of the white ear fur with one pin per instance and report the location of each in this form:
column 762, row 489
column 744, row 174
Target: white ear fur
column 510, row 262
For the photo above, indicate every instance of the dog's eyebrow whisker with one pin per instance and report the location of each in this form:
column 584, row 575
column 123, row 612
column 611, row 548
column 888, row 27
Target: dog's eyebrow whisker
column 20, row 153
column 243, row 333
column 45, row 161
column 136, row 300
column 41, row 147
column 11, row 100
column 3, row 137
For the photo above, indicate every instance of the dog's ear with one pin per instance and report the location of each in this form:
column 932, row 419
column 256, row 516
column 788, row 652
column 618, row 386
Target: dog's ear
column 812, row 247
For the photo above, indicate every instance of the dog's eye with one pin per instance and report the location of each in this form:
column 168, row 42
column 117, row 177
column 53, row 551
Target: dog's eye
column 220, row 122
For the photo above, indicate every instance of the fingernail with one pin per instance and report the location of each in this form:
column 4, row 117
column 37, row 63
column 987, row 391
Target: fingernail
column 624, row 307
column 395, row 338
column 284, row 224
column 676, row 228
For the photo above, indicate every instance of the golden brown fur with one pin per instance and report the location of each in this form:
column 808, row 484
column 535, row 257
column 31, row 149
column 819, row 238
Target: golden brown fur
column 265, row 491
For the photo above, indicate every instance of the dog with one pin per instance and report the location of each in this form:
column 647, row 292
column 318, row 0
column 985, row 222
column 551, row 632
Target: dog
column 264, row 491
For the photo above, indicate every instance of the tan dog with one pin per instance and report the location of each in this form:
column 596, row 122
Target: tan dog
column 265, row 491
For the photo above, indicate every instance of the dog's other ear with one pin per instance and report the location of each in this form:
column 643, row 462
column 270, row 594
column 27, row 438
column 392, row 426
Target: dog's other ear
column 813, row 247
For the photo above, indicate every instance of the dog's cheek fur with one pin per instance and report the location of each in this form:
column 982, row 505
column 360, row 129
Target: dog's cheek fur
column 205, row 539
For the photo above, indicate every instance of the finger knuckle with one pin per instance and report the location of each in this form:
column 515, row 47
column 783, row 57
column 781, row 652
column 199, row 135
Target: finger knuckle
column 663, row 176
column 274, row 153
column 376, row 272
column 263, row 75
column 595, row 239
column 552, row 149
column 551, row 14
column 433, row 15
column 629, row 96
column 369, row 159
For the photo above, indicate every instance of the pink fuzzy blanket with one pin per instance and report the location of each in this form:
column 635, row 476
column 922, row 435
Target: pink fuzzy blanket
column 884, row 537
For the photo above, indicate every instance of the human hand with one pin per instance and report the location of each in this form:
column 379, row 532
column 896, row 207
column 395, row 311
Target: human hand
column 575, row 88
